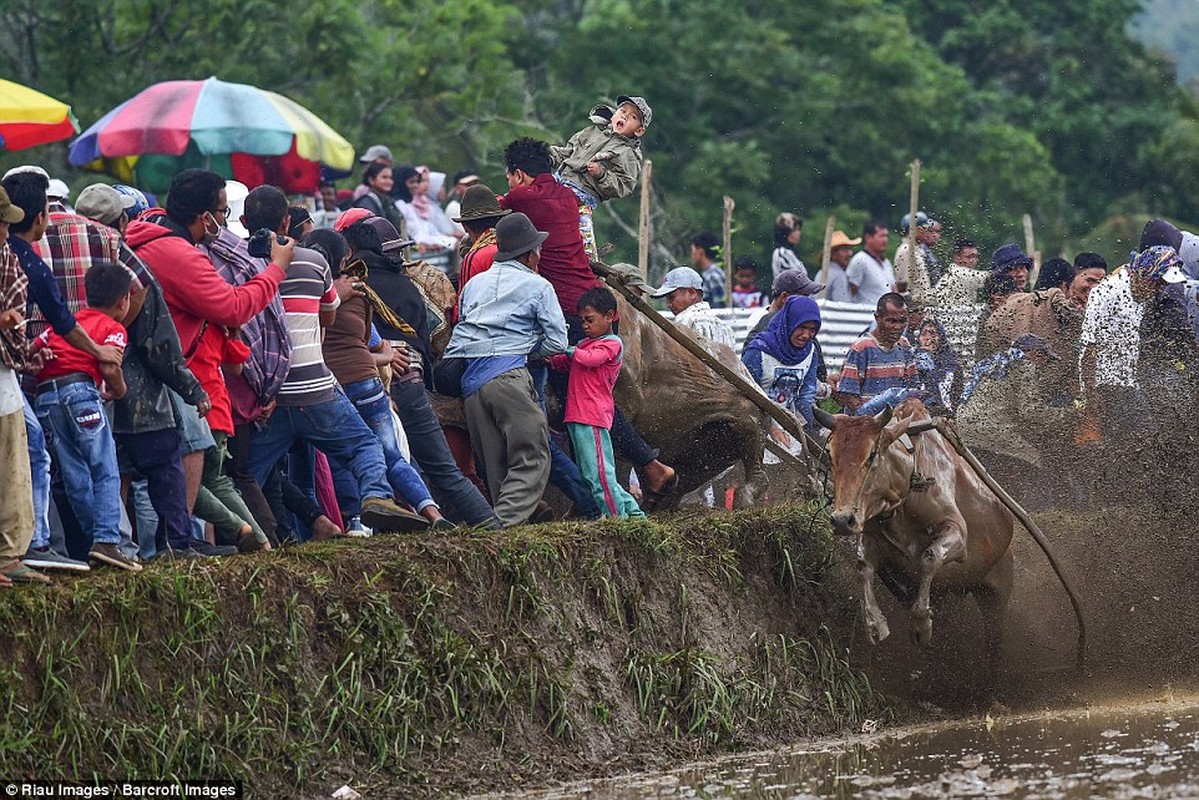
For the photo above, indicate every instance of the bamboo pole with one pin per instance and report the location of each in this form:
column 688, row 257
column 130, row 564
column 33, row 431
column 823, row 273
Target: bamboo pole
column 913, row 206
column 1033, row 529
column 1030, row 247
column 749, row 390
column 826, row 252
column 727, row 230
column 643, row 231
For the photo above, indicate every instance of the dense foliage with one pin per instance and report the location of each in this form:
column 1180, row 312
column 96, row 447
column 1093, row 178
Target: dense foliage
column 1038, row 107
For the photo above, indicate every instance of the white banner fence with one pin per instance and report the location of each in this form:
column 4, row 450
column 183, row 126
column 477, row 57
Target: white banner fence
column 842, row 323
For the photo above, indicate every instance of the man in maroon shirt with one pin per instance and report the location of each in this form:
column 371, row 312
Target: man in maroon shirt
column 554, row 209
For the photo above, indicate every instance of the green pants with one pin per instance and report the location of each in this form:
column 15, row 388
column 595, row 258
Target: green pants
column 593, row 454
column 218, row 501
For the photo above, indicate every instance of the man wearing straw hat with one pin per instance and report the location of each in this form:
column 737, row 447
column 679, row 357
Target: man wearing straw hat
column 840, row 252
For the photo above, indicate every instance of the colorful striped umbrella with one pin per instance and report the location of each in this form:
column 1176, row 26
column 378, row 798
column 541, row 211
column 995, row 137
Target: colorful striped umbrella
column 29, row 118
column 245, row 133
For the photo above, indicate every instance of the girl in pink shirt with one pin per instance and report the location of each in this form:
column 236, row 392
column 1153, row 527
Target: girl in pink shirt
column 594, row 366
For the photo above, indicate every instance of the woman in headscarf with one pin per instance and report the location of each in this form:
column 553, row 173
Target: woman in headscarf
column 782, row 358
column 788, row 228
column 379, row 181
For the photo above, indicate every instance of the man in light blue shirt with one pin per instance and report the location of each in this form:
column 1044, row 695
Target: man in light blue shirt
column 506, row 316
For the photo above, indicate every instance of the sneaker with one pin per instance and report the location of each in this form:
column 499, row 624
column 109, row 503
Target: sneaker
column 357, row 530
column 206, row 549
column 45, row 558
column 111, row 554
column 384, row 516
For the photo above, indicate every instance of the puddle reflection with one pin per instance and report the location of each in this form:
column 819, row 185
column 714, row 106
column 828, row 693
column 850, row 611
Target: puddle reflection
column 1150, row 752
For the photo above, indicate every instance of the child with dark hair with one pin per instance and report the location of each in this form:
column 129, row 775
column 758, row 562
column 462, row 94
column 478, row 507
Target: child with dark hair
column 746, row 293
column 603, row 161
column 71, row 404
column 594, row 365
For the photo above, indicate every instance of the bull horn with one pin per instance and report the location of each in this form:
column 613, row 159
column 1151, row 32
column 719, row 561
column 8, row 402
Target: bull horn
column 884, row 416
column 826, row 419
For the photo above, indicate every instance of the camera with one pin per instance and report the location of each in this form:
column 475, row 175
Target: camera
column 260, row 242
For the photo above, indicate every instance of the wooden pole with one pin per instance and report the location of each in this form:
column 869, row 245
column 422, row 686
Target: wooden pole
column 727, row 230
column 1030, row 247
column 643, row 232
column 914, row 207
column 751, row 391
column 826, row 252
column 951, row 436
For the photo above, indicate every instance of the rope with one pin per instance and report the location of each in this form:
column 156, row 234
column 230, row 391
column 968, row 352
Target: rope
column 358, row 269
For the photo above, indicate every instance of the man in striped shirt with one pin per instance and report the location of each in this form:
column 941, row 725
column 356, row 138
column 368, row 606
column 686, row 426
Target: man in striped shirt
column 880, row 360
column 310, row 406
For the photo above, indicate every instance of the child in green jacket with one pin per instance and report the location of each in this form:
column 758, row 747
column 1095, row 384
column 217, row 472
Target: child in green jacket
column 603, row 161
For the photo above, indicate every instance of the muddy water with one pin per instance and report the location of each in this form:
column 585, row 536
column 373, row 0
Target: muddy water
column 1142, row 751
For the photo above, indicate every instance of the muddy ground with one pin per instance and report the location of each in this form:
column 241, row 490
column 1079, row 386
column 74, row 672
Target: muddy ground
column 471, row 663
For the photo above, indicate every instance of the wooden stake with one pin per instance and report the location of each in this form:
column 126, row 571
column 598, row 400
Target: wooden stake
column 643, row 232
column 727, row 229
column 826, row 253
column 1030, row 247
column 914, row 207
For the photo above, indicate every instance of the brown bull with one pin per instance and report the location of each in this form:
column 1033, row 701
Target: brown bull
column 700, row 423
column 924, row 521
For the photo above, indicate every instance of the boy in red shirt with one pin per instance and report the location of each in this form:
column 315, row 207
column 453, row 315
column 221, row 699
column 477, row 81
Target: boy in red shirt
column 70, row 403
column 594, row 365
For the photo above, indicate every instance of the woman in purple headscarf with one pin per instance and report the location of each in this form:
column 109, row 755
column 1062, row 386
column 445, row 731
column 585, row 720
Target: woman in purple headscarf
column 783, row 359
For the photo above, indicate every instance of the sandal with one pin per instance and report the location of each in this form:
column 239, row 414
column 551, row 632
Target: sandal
column 18, row 572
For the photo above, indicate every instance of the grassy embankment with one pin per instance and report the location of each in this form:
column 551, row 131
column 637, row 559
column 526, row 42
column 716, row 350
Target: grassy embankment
column 421, row 665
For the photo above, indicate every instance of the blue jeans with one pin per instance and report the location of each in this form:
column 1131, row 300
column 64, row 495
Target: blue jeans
column 86, row 456
column 333, row 427
column 197, row 436
column 374, row 406
column 39, row 467
column 147, row 519
column 432, row 455
column 564, row 473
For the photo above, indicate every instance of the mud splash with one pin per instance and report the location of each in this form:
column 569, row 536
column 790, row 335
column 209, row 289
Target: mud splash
column 1149, row 750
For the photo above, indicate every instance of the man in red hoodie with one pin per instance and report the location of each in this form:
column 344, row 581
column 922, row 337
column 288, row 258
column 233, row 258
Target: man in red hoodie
column 202, row 304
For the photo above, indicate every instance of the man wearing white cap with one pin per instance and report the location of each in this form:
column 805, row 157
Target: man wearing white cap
column 683, row 289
